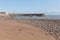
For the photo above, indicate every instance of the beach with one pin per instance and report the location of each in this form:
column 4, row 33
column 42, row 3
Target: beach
column 14, row 30
column 51, row 26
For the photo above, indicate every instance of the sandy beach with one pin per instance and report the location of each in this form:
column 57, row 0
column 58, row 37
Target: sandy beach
column 51, row 26
column 12, row 30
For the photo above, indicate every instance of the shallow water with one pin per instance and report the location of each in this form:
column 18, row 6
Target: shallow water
column 55, row 17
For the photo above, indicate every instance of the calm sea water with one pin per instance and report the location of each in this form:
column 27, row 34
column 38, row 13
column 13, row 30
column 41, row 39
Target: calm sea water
column 36, row 17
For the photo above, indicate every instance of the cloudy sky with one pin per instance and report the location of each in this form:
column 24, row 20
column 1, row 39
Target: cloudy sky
column 49, row 7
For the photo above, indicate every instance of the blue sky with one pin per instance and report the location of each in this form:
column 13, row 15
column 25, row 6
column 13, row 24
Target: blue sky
column 50, row 7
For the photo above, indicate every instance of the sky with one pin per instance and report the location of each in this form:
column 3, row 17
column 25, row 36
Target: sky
column 49, row 7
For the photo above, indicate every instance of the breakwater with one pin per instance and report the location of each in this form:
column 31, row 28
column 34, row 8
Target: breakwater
column 13, row 15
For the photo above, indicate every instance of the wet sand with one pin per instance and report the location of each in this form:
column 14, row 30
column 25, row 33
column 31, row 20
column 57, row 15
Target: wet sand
column 12, row 30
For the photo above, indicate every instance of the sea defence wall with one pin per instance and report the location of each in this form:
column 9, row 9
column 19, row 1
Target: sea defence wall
column 41, row 14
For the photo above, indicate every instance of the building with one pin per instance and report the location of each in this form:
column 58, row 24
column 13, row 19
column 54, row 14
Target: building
column 4, row 14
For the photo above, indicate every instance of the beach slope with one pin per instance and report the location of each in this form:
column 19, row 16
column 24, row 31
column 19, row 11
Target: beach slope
column 11, row 30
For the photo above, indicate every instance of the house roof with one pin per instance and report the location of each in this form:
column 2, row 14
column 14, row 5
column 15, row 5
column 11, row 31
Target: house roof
column 2, row 12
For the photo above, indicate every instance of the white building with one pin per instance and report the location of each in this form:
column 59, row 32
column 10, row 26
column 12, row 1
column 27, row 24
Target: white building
column 4, row 14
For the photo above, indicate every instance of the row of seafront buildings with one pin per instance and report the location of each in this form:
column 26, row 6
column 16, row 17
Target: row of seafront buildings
column 4, row 14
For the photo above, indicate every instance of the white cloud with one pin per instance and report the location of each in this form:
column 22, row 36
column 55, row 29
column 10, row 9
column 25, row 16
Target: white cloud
column 54, row 11
column 51, row 12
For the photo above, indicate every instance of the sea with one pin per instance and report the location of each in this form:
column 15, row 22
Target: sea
column 52, row 17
